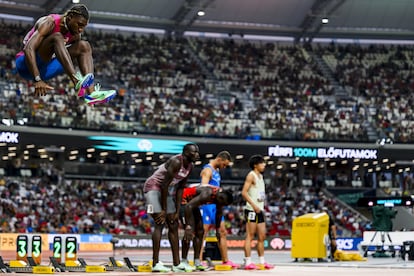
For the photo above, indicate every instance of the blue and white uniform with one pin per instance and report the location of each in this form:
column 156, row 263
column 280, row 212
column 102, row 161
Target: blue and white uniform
column 208, row 211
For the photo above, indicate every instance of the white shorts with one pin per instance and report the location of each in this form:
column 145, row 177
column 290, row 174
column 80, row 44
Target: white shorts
column 153, row 203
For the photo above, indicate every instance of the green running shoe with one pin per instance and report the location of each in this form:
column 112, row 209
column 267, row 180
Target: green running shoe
column 160, row 267
column 83, row 83
column 99, row 96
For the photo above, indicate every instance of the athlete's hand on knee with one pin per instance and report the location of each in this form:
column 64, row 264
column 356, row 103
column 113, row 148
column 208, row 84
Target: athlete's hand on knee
column 160, row 219
column 41, row 88
column 188, row 235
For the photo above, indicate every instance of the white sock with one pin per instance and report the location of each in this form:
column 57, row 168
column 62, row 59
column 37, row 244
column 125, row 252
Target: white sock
column 248, row 260
column 261, row 260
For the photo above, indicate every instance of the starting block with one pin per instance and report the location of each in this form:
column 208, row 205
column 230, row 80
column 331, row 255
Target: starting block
column 58, row 266
column 222, row 267
column 91, row 268
column 74, row 266
column 129, row 264
column 84, row 267
column 115, row 265
column 218, row 267
column 95, row 269
column 145, row 268
column 211, row 249
column 40, row 269
column 20, row 266
column 17, row 263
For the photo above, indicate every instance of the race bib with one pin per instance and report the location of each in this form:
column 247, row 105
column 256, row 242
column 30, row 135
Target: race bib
column 251, row 216
column 150, row 209
column 261, row 197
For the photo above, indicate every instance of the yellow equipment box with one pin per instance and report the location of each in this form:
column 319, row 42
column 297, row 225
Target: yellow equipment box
column 309, row 236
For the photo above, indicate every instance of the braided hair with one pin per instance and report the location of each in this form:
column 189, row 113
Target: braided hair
column 79, row 9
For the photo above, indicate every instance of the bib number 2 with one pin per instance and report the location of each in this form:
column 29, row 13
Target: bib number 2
column 251, row 216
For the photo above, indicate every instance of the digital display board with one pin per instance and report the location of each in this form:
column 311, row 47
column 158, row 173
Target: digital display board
column 320, row 152
column 384, row 201
column 139, row 144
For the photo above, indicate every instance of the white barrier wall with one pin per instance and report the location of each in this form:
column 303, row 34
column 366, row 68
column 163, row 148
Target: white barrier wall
column 387, row 238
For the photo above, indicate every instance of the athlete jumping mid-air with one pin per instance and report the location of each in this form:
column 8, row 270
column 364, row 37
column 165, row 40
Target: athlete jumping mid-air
column 50, row 49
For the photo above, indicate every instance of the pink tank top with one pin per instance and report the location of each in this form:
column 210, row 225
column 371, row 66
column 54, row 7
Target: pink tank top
column 154, row 182
column 68, row 36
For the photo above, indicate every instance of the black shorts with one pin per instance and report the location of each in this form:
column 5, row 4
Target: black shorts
column 196, row 216
column 252, row 216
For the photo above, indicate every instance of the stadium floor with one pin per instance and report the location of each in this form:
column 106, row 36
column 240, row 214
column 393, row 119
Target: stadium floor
column 284, row 265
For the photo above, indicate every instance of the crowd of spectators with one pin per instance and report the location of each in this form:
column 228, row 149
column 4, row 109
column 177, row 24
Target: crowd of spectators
column 381, row 75
column 223, row 88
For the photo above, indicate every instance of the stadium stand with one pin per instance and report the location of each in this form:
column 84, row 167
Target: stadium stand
column 203, row 87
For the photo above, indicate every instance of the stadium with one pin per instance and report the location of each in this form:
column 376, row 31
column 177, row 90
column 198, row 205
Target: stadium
column 320, row 88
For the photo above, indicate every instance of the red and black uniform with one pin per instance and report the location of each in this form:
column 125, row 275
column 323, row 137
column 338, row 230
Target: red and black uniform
column 192, row 192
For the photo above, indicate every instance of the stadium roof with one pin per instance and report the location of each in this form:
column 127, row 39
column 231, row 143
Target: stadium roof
column 300, row 19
